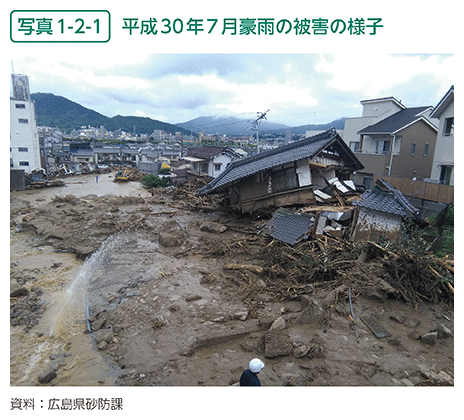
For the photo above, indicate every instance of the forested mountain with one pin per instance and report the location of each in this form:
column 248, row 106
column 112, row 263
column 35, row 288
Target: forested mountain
column 231, row 126
column 57, row 111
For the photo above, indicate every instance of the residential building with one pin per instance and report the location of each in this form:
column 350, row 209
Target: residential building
column 84, row 156
column 81, row 152
column 374, row 110
column 381, row 213
column 443, row 158
column 390, row 139
column 295, row 173
column 109, row 155
column 210, row 160
column 25, row 152
column 158, row 135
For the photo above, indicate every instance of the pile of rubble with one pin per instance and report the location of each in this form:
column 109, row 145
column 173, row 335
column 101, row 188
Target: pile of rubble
column 326, row 263
column 186, row 194
column 185, row 286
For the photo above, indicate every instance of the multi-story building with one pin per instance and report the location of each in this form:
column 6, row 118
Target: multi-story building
column 390, row 139
column 25, row 152
column 443, row 159
column 210, row 160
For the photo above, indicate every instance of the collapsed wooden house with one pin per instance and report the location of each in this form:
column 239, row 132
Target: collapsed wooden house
column 381, row 213
column 313, row 170
column 378, row 213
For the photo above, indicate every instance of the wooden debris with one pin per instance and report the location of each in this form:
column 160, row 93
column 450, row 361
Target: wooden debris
column 247, row 267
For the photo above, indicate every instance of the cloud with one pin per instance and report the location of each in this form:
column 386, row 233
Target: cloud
column 238, row 98
column 297, row 88
column 381, row 74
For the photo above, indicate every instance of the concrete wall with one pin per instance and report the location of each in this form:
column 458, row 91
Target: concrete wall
column 444, row 151
column 382, row 108
column 353, row 125
column 148, row 167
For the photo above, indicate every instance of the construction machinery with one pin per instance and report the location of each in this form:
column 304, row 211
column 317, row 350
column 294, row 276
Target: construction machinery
column 121, row 176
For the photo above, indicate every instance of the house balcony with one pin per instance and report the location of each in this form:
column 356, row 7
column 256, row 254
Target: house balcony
column 374, row 163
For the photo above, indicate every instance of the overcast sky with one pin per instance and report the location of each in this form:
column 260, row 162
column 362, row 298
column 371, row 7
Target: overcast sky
column 300, row 79
column 297, row 88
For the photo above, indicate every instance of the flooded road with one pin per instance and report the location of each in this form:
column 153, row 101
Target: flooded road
column 80, row 186
column 58, row 339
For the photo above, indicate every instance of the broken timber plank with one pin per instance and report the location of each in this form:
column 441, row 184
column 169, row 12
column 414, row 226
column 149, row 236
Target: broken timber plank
column 247, row 267
column 382, row 249
column 443, row 264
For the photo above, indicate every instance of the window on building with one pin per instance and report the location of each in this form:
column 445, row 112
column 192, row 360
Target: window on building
column 413, row 149
column 382, row 147
column 20, row 106
column 354, row 146
column 426, row 149
column 448, row 129
column 217, row 166
column 22, row 149
column 23, row 120
column 386, row 147
column 368, row 182
column 23, row 163
column 445, row 174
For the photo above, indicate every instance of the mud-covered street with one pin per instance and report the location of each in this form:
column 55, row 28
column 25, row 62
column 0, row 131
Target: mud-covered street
column 116, row 286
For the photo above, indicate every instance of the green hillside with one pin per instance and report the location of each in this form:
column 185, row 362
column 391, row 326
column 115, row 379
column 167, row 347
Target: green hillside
column 59, row 112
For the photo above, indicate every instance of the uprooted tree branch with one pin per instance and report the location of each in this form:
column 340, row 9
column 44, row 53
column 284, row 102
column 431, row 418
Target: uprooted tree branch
column 406, row 270
column 325, row 264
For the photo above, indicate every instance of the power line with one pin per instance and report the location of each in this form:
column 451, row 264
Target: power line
column 255, row 125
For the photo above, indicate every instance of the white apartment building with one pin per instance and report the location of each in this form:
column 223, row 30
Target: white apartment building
column 24, row 139
column 374, row 110
column 443, row 159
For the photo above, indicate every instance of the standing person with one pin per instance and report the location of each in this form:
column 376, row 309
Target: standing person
column 250, row 376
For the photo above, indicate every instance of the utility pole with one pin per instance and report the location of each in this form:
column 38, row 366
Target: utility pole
column 255, row 126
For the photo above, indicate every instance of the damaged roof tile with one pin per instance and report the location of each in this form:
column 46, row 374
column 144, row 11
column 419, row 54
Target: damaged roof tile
column 289, row 226
column 387, row 199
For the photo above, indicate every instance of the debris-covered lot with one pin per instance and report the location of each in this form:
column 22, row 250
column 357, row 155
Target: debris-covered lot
column 180, row 293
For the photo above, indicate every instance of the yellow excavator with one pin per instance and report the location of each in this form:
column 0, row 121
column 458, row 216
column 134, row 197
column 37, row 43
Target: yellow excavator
column 121, row 176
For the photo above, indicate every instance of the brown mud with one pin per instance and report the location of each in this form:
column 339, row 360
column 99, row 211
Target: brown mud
column 126, row 288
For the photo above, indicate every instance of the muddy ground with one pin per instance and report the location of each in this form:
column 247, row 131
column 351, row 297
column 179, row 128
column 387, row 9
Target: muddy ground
column 170, row 291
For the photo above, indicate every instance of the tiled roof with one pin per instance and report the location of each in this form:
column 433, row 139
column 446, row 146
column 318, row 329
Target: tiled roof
column 289, row 226
column 205, row 152
column 302, row 149
column 395, row 122
column 388, row 200
column 381, row 201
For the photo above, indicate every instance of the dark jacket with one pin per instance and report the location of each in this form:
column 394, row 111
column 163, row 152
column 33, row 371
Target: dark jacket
column 249, row 378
